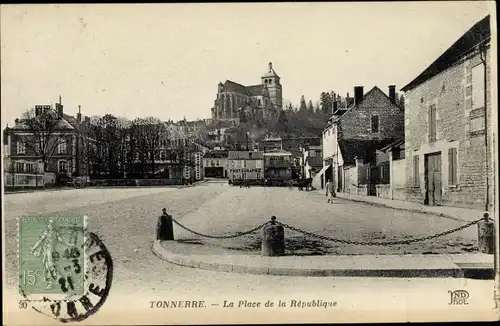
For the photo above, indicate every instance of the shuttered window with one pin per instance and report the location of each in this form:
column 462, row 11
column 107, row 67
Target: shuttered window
column 452, row 166
column 432, row 122
column 375, row 123
column 416, row 172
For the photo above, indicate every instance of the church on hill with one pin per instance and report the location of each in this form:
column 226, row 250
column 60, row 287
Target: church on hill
column 255, row 102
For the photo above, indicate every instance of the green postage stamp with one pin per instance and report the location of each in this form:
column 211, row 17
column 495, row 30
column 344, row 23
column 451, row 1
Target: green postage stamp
column 51, row 255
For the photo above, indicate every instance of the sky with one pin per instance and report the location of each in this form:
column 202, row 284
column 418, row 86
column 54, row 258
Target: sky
column 165, row 60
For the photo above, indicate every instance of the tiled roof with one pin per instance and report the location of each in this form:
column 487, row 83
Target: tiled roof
column 461, row 48
column 360, row 148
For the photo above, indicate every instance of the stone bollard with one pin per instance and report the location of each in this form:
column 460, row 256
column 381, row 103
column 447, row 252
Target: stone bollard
column 165, row 227
column 273, row 239
column 485, row 235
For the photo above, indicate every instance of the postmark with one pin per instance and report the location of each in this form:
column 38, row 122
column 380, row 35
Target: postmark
column 65, row 271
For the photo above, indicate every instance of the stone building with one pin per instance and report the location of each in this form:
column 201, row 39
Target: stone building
column 353, row 135
column 62, row 148
column 448, row 115
column 256, row 102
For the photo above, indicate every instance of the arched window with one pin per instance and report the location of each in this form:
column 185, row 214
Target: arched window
column 265, row 81
column 260, row 102
column 270, row 81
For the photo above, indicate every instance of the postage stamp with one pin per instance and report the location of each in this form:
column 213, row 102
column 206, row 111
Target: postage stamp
column 65, row 272
column 51, row 260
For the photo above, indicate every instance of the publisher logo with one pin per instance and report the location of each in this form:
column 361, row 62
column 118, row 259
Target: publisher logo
column 458, row 297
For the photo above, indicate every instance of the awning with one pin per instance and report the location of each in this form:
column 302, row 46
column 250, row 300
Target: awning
column 322, row 171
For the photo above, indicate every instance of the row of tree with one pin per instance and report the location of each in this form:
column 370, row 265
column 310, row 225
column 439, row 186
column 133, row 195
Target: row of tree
column 111, row 146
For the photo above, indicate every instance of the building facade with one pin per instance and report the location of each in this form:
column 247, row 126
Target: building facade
column 278, row 165
column 449, row 132
column 49, row 141
column 215, row 164
column 246, row 165
column 256, row 102
column 373, row 121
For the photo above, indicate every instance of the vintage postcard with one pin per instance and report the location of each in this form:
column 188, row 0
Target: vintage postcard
column 249, row 163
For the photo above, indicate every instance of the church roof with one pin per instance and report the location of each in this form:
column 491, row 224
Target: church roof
column 255, row 90
column 270, row 71
column 230, row 86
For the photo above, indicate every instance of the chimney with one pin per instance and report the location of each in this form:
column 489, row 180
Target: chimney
column 392, row 93
column 59, row 109
column 358, row 95
column 79, row 114
column 335, row 105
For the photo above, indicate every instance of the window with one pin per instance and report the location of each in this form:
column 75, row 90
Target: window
column 270, row 81
column 61, row 147
column 163, row 157
column 61, row 166
column 244, row 164
column 478, row 87
column 477, row 122
column 416, row 172
column 258, row 164
column 452, row 167
column 375, row 123
column 312, row 154
column 37, row 147
column 258, row 175
column 19, row 167
column 432, row 122
column 21, row 147
column 218, row 162
column 243, row 175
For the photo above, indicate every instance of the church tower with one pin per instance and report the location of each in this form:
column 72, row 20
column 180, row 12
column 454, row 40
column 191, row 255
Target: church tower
column 272, row 81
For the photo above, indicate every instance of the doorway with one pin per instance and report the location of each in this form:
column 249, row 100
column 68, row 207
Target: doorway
column 433, row 184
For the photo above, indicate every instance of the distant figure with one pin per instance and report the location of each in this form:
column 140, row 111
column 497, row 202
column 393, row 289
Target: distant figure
column 329, row 191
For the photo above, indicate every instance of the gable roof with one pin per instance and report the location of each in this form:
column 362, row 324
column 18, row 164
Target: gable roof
column 361, row 148
column 336, row 117
column 230, row 86
column 478, row 34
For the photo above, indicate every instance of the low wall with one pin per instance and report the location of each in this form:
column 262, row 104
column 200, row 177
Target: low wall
column 399, row 193
column 384, row 191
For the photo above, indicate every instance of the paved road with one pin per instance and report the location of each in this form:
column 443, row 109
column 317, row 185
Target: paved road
column 125, row 221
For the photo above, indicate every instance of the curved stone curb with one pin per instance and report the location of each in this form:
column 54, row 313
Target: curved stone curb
column 272, row 266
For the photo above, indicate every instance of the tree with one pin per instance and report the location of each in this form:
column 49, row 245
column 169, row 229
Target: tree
column 310, row 108
column 45, row 133
column 303, row 105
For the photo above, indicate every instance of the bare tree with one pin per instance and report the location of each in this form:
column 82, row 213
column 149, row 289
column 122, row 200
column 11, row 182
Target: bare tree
column 46, row 133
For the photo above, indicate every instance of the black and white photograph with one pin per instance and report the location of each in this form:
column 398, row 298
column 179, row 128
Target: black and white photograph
column 257, row 163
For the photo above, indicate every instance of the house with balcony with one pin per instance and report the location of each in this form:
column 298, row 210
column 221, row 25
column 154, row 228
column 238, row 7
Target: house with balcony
column 277, row 165
column 450, row 126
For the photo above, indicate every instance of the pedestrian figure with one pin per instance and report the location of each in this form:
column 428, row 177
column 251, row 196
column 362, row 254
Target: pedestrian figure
column 330, row 193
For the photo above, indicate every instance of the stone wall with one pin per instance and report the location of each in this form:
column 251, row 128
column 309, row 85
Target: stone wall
column 356, row 124
column 451, row 92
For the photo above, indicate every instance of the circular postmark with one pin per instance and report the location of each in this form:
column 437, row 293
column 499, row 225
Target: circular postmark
column 76, row 279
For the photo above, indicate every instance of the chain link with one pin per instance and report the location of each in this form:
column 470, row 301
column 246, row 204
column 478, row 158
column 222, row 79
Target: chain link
column 322, row 237
column 239, row 234
column 388, row 243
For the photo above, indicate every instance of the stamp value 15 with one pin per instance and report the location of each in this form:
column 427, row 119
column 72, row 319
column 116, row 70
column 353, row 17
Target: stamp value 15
column 51, row 255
